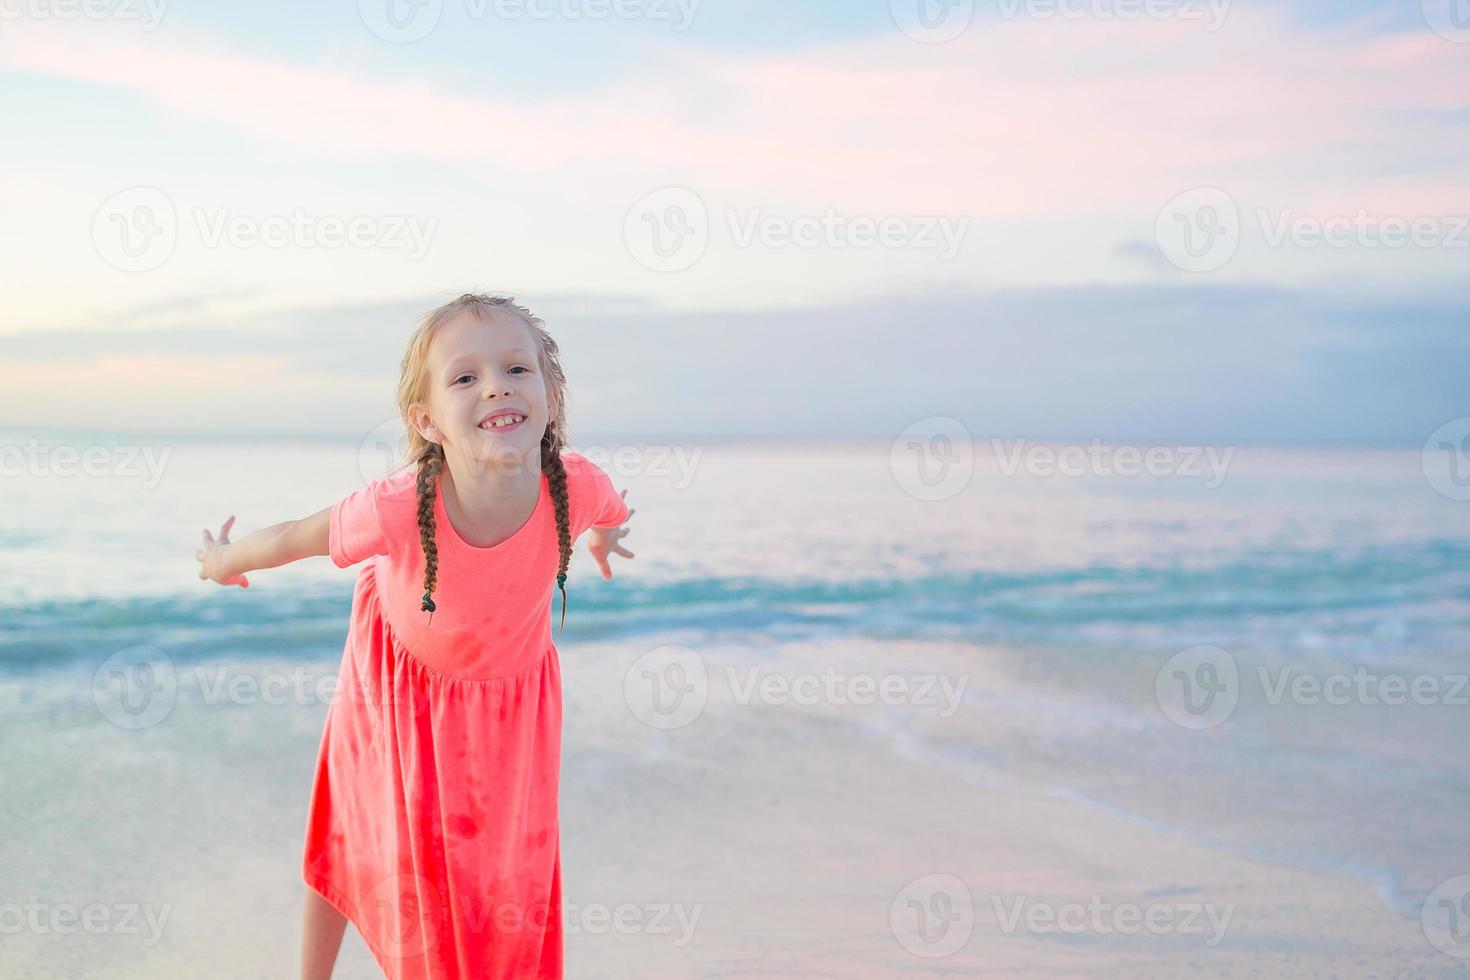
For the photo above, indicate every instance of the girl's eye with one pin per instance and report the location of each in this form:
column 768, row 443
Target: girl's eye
column 462, row 377
column 519, row 368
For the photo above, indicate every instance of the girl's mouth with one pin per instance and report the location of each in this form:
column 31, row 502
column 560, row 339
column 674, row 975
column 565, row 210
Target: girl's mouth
column 504, row 423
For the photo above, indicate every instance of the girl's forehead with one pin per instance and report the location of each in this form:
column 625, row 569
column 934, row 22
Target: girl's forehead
column 468, row 333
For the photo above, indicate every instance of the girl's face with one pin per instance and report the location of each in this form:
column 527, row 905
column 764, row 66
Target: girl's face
column 479, row 369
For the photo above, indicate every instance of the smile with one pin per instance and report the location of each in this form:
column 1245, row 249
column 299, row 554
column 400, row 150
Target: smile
column 503, row 422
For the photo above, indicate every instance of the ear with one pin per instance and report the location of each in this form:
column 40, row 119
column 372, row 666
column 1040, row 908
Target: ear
column 424, row 424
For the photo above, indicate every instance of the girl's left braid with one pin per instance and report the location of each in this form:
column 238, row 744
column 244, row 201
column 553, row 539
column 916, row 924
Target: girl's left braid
column 556, row 482
column 430, row 463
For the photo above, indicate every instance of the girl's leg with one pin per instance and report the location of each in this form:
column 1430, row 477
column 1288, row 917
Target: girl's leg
column 321, row 936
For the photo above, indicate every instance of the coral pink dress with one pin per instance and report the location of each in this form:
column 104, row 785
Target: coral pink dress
column 433, row 822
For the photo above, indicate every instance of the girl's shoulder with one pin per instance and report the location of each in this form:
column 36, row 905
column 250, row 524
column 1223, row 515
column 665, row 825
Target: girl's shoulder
column 396, row 497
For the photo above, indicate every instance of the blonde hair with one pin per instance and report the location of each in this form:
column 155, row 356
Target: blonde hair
column 427, row 457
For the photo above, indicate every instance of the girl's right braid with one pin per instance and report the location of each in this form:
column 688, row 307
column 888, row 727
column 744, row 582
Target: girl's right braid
column 428, row 471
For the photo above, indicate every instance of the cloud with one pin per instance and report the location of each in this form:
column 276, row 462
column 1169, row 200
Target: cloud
column 1184, row 363
column 1016, row 118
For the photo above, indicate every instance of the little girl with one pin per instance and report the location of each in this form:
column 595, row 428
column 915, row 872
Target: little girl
column 433, row 820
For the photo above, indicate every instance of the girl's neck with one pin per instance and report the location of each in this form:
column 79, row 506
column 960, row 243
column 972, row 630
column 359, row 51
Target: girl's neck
column 482, row 498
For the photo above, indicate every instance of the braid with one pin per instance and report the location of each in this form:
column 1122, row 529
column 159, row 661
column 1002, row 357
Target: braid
column 556, row 481
column 430, row 463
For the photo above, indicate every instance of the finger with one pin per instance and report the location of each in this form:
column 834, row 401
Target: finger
column 207, row 537
column 225, row 528
column 603, row 566
column 244, row 582
column 619, row 549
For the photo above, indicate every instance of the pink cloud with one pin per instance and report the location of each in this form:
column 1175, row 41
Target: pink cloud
column 1015, row 120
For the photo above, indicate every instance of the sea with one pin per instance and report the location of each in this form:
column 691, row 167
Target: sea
column 1260, row 648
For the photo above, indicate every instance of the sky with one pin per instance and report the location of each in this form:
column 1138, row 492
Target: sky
column 1121, row 219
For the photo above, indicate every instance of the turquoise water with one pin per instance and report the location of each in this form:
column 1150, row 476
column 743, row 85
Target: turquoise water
column 1318, row 562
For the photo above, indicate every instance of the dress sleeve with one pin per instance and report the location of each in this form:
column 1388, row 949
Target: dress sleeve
column 606, row 507
column 355, row 531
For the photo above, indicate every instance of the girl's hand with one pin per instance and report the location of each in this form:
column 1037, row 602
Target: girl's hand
column 604, row 541
column 213, row 561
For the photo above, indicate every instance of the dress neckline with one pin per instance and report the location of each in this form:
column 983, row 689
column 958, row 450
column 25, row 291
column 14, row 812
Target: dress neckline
column 441, row 517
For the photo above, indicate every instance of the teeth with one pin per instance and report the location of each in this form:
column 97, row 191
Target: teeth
column 503, row 421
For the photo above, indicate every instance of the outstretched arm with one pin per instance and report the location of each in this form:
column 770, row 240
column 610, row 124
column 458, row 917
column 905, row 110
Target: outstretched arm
column 603, row 541
column 226, row 562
